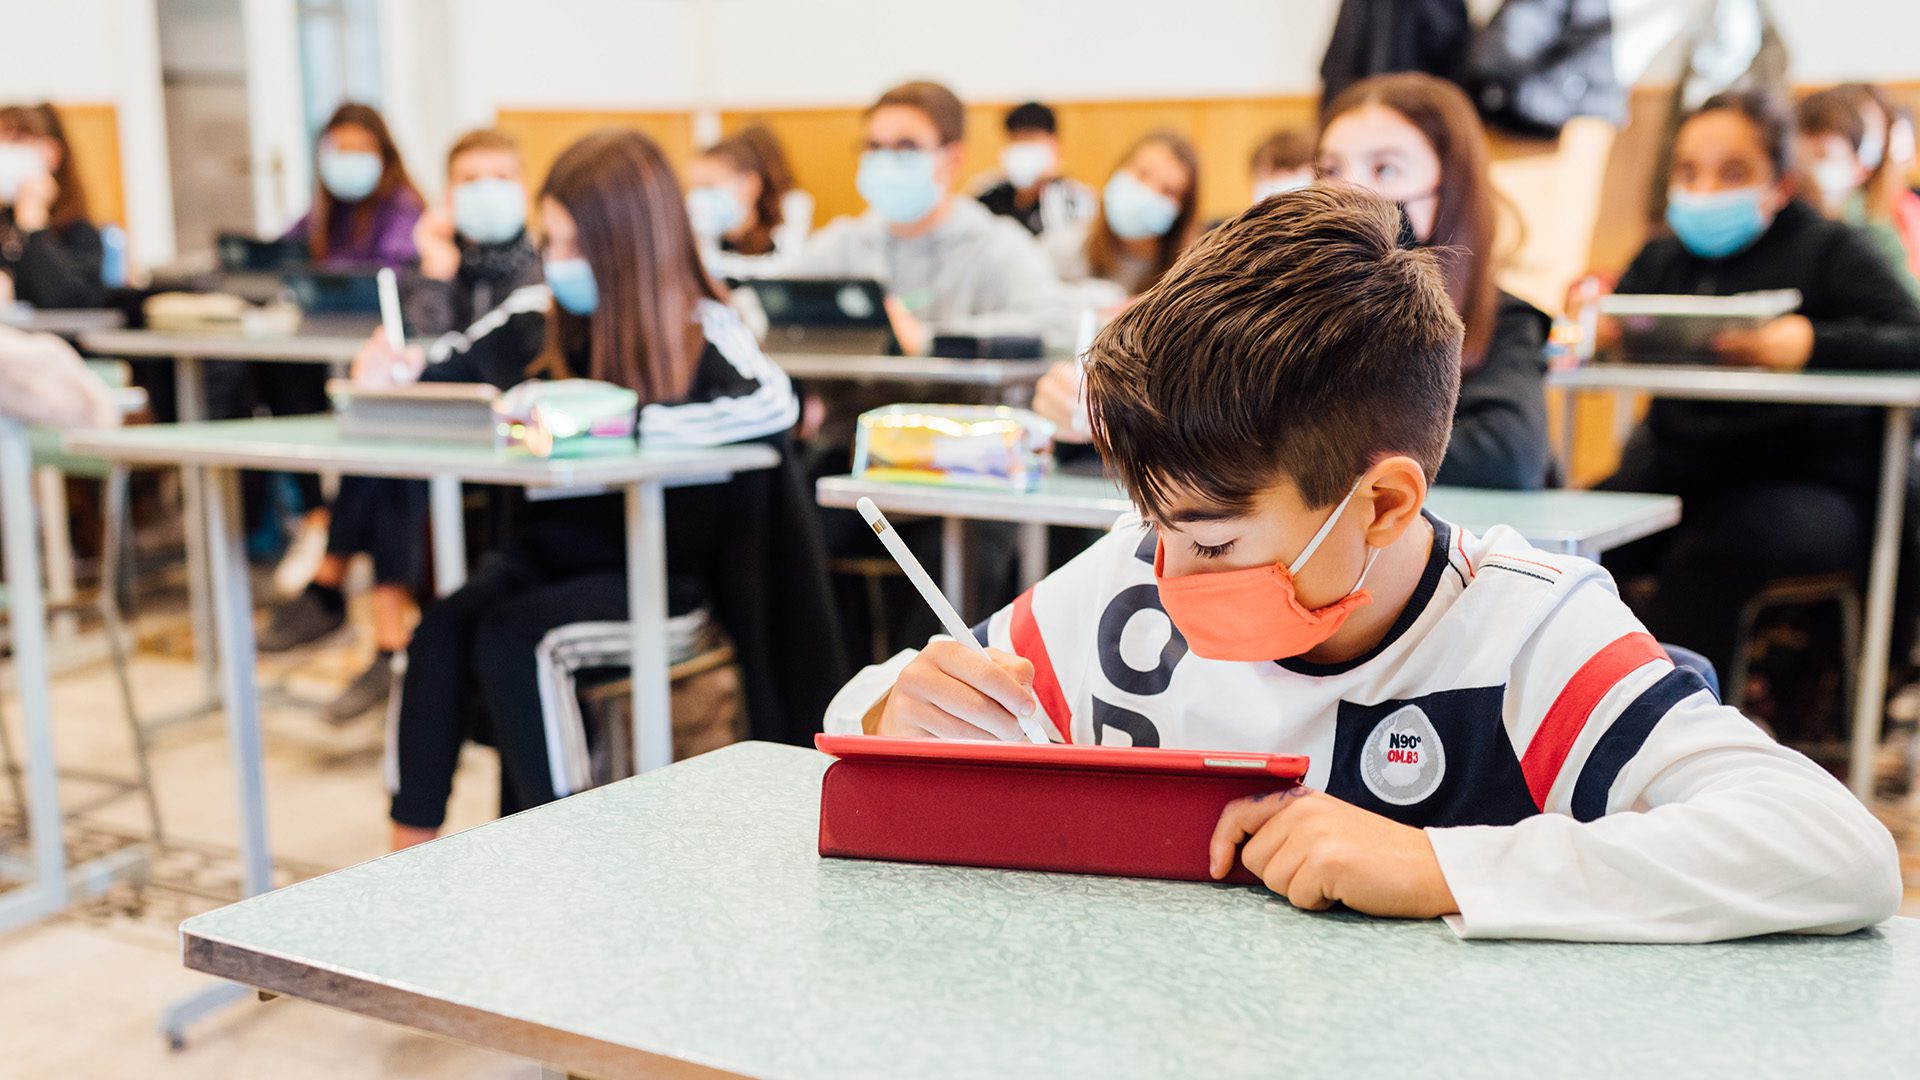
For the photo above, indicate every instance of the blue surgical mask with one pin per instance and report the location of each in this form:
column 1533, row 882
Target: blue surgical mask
column 900, row 185
column 572, row 283
column 1717, row 225
column 1135, row 211
column 490, row 211
column 715, row 210
column 351, row 175
column 17, row 162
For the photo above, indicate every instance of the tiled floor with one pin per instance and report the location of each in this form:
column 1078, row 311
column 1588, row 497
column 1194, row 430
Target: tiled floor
column 81, row 995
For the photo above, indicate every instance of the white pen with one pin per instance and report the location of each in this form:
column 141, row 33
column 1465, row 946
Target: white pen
column 390, row 308
column 949, row 618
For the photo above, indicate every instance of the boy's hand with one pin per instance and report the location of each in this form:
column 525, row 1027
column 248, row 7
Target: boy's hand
column 1059, row 398
column 1315, row 850
column 908, row 331
column 950, row 691
column 1784, row 344
column 433, row 238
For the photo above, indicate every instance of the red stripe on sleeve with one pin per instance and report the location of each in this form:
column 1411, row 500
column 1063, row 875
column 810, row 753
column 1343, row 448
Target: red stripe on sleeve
column 1027, row 643
column 1564, row 721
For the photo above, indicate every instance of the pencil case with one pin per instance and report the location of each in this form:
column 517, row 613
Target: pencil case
column 566, row 418
column 978, row 446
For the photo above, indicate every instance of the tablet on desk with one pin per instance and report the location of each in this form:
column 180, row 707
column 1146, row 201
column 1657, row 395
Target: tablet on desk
column 1680, row 329
column 430, row 411
column 847, row 316
column 1119, row 811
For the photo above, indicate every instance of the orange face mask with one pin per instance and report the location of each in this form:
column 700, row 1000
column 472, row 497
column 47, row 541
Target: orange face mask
column 1253, row 615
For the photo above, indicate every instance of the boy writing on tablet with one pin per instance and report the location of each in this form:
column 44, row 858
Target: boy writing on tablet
column 1494, row 739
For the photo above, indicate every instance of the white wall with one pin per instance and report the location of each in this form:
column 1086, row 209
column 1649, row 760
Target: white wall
column 104, row 51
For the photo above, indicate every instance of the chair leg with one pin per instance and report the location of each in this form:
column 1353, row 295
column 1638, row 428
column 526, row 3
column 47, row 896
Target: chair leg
column 1736, row 687
column 112, row 559
column 10, row 764
column 1851, row 624
column 878, row 635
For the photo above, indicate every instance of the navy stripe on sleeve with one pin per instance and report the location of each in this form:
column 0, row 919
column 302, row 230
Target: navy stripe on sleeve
column 1624, row 738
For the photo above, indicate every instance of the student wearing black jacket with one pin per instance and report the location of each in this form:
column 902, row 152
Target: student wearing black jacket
column 626, row 301
column 1770, row 491
column 48, row 248
column 472, row 256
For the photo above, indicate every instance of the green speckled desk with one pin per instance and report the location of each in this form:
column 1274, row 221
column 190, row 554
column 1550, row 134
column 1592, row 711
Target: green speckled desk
column 680, row 922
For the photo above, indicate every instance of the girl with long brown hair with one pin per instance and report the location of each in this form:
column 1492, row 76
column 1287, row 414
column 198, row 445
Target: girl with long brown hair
column 48, row 248
column 1417, row 140
column 364, row 204
column 626, row 301
column 744, row 207
column 1146, row 219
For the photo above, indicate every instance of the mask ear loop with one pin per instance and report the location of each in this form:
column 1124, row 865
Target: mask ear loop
column 1313, row 545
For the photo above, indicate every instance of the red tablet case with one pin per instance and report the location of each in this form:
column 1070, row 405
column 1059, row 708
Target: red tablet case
column 1071, row 809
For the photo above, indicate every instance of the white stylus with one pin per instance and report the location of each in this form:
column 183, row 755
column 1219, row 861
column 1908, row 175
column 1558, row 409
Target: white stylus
column 949, row 618
column 390, row 308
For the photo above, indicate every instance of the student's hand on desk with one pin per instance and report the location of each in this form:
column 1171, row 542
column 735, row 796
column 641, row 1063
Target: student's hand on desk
column 33, row 205
column 379, row 364
column 1317, row 850
column 1785, row 344
column 439, row 254
column 908, row 330
column 950, row 691
column 1057, row 398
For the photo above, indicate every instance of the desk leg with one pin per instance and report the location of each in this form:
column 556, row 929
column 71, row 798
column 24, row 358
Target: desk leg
column 47, row 893
column 449, row 534
column 953, row 563
column 1033, row 553
column 56, row 546
column 1869, row 704
column 1569, row 410
column 233, row 626
column 647, row 614
column 190, row 395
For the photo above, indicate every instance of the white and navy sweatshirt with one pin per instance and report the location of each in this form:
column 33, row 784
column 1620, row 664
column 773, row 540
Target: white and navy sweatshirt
column 1574, row 783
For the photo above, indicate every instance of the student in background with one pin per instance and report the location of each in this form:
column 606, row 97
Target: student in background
column 1843, row 137
column 1895, row 186
column 1493, row 737
column 1417, row 141
column 739, row 194
column 364, row 211
column 473, row 255
column 1146, row 219
column 1771, row 491
column 1283, row 161
column 49, row 251
column 626, row 301
column 1030, row 188
column 949, row 266
column 364, row 204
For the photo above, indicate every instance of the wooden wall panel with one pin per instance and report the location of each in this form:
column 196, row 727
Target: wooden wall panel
column 822, row 146
column 544, row 133
column 93, row 131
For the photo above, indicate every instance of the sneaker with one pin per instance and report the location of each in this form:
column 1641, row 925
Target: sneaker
column 300, row 621
column 366, row 692
column 302, row 560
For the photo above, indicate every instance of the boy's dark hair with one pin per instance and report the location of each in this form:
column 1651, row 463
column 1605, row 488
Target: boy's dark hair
column 1296, row 342
column 1284, row 151
column 936, row 101
column 1032, row 116
column 1770, row 117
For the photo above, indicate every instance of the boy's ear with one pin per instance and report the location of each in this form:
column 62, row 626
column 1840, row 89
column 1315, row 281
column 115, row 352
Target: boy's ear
column 1397, row 489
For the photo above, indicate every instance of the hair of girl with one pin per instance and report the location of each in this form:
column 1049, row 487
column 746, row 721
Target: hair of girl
column 1465, row 201
column 631, row 218
column 1104, row 248
column 753, row 150
column 393, row 178
column 42, row 122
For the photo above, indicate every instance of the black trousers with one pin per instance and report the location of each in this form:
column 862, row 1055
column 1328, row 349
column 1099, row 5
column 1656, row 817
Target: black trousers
column 1733, row 538
column 240, row 388
column 383, row 518
column 471, row 674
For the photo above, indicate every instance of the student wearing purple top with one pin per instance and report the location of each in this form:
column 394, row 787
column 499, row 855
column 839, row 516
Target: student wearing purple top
column 364, row 203
column 364, row 210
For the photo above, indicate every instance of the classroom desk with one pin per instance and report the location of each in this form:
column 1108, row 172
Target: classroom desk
column 1576, row 522
column 1896, row 393
column 314, row 444
column 933, row 370
column 681, row 924
column 66, row 322
column 332, row 340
